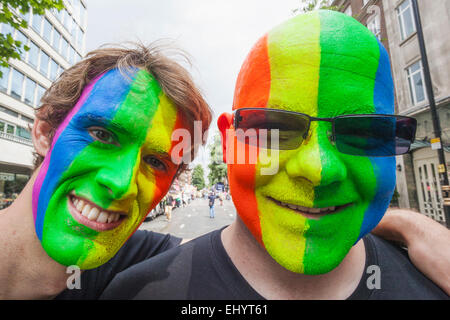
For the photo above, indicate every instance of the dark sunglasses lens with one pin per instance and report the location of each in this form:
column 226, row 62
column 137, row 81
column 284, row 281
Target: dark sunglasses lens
column 271, row 129
column 374, row 136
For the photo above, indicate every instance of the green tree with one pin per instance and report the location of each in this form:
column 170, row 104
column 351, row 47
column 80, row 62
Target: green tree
column 198, row 177
column 217, row 169
column 12, row 13
column 311, row 5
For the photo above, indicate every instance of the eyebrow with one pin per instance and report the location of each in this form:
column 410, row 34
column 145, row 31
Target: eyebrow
column 105, row 122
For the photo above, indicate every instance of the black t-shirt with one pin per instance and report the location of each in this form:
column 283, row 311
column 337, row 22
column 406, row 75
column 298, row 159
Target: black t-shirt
column 201, row 269
column 140, row 246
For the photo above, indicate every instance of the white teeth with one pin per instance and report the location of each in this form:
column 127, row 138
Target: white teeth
column 86, row 210
column 80, row 205
column 307, row 210
column 110, row 218
column 93, row 214
column 103, row 217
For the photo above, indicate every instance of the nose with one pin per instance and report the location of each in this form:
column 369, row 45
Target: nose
column 317, row 160
column 118, row 176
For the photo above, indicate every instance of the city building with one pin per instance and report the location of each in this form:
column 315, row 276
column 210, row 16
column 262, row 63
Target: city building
column 418, row 184
column 56, row 41
column 417, row 172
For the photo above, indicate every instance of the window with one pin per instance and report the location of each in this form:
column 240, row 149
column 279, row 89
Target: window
column 33, row 54
column 53, row 70
column 71, row 55
column 23, row 133
column 10, row 112
column 80, row 38
column 39, row 94
column 365, row 2
column 37, row 22
column 43, row 68
column 30, row 87
column 47, row 30
column 67, row 20
column 29, row 120
column 82, row 15
column 416, row 83
column 5, row 79
column 2, row 126
column 374, row 26
column 56, row 39
column 16, row 84
column 406, row 19
column 10, row 128
column 24, row 40
column 64, row 48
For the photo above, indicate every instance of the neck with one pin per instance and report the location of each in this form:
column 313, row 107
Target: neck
column 26, row 271
column 272, row 281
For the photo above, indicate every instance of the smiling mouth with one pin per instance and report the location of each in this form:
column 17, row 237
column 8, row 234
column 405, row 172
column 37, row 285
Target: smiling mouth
column 311, row 213
column 93, row 216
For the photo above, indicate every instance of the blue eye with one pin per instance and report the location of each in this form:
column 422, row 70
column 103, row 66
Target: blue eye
column 102, row 135
column 155, row 163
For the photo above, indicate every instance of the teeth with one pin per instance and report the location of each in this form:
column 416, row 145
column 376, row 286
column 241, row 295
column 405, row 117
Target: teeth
column 80, row 205
column 86, row 210
column 103, row 217
column 307, row 210
column 93, row 213
column 110, row 218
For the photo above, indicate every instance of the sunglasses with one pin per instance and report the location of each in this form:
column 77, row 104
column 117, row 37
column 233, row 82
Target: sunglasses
column 373, row 135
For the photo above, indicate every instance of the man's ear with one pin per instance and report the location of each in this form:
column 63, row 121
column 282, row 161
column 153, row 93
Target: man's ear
column 224, row 123
column 40, row 135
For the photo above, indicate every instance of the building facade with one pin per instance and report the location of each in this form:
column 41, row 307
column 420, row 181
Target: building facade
column 418, row 186
column 417, row 173
column 56, row 41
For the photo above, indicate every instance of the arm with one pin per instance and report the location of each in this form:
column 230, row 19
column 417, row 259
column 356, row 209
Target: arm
column 427, row 242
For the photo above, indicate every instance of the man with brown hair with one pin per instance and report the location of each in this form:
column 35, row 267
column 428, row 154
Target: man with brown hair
column 104, row 159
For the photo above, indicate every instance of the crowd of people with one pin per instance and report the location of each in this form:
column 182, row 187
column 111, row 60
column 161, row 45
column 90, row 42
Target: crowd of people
column 174, row 200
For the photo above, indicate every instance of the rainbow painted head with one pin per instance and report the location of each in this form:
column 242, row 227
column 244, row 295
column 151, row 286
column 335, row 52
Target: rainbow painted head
column 323, row 64
column 108, row 166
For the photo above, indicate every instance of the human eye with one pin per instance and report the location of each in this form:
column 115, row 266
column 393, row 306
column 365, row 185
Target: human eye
column 155, row 163
column 102, row 135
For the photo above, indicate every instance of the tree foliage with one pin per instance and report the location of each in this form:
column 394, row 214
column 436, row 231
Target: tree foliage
column 217, row 169
column 198, row 177
column 311, row 5
column 12, row 13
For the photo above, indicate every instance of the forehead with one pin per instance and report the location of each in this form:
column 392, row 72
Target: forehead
column 132, row 103
column 323, row 64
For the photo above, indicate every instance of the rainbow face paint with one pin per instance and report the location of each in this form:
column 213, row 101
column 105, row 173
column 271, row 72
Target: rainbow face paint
column 323, row 64
column 112, row 152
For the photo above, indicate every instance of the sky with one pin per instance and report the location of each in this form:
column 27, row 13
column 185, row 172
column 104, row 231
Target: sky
column 217, row 35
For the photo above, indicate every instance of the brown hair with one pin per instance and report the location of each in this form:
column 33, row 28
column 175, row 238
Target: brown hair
column 174, row 80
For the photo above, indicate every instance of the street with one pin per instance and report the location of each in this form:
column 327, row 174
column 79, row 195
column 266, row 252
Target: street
column 193, row 220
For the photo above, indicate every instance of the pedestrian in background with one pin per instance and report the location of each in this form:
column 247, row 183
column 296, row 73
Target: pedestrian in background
column 169, row 205
column 212, row 197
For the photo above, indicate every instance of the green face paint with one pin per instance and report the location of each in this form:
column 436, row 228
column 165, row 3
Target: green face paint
column 323, row 64
column 105, row 171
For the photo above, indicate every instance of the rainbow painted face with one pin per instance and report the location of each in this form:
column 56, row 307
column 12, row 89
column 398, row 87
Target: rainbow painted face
column 320, row 202
column 108, row 166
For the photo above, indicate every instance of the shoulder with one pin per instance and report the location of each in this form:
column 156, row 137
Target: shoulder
column 197, row 270
column 140, row 246
column 399, row 278
column 165, row 276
